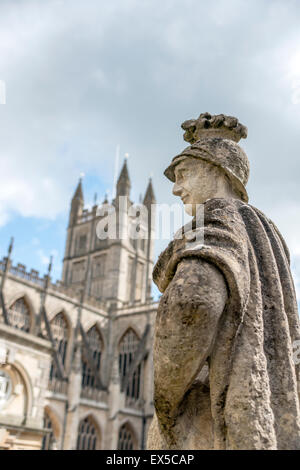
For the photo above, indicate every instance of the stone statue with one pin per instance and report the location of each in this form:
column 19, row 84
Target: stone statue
column 224, row 372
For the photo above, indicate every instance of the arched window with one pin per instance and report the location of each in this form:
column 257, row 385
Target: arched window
column 48, row 439
column 127, row 349
column 88, row 435
column 126, row 440
column 19, row 315
column 96, row 346
column 60, row 332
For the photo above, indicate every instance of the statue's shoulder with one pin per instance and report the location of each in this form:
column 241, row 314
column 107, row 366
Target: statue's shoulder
column 221, row 213
column 270, row 225
column 161, row 264
column 222, row 206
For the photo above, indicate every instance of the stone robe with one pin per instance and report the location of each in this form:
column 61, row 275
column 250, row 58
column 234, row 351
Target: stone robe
column 246, row 395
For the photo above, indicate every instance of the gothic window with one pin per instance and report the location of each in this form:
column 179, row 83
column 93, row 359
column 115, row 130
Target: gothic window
column 99, row 266
column 60, row 332
column 88, row 436
column 48, row 439
column 81, row 244
column 127, row 349
column 96, row 347
column 78, row 271
column 97, row 288
column 98, row 274
column 126, row 440
column 19, row 315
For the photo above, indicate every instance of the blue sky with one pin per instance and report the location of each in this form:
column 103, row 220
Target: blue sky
column 83, row 77
column 36, row 238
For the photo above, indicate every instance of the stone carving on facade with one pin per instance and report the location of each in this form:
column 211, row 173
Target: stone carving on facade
column 224, row 375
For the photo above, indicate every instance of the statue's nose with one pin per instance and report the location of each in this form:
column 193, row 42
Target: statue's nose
column 177, row 190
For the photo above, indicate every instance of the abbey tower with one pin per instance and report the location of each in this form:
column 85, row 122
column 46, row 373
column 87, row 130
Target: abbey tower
column 76, row 355
column 114, row 270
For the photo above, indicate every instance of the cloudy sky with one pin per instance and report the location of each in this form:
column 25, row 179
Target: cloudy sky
column 83, row 76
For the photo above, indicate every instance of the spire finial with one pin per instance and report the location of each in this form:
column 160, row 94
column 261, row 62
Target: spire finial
column 78, row 192
column 123, row 184
column 124, row 171
column 11, row 245
column 149, row 196
column 106, row 198
column 50, row 265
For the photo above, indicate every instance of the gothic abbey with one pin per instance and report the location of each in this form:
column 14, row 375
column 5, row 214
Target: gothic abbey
column 75, row 356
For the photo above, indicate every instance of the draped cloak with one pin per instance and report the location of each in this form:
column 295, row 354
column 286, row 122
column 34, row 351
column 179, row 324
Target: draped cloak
column 253, row 375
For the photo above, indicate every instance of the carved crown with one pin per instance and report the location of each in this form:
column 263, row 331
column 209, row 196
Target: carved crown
column 206, row 126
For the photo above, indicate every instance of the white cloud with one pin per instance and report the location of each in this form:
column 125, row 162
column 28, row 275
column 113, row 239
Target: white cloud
column 82, row 77
column 45, row 259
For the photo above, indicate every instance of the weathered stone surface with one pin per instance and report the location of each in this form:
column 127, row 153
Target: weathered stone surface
column 214, row 139
column 224, row 375
column 210, row 126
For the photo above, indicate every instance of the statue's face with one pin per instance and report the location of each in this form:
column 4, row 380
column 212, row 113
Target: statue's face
column 196, row 181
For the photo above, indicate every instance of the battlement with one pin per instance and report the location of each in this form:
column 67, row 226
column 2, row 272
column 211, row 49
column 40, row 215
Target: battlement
column 86, row 216
column 20, row 271
column 34, row 277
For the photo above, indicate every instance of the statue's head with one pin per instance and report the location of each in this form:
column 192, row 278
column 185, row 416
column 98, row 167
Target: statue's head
column 214, row 165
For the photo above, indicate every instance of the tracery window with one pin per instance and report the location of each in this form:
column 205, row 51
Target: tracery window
column 88, row 435
column 98, row 275
column 81, row 243
column 126, row 440
column 60, row 332
column 127, row 349
column 97, row 288
column 19, row 315
column 96, row 346
column 99, row 266
column 48, row 439
column 78, row 271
